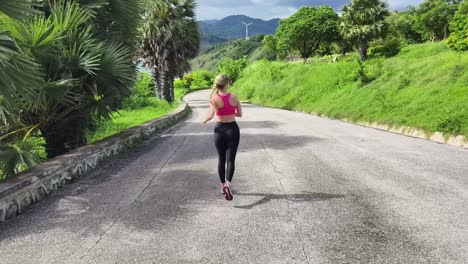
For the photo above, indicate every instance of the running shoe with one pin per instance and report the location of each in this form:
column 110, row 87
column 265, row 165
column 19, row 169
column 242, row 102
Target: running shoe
column 222, row 188
column 227, row 192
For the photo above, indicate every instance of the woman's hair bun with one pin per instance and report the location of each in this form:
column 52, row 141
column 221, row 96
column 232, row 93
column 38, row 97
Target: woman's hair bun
column 221, row 81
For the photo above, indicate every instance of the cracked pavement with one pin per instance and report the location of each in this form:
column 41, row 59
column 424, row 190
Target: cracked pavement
column 306, row 190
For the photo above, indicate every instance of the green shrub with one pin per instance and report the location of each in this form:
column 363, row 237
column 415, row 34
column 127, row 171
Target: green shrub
column 425, row 86
column 388, row 47
column 142, row 94
column 195, row 80
column 20, row 154
column 202, row 79
column 458, row 39
column 232, row 68
column 181, row 84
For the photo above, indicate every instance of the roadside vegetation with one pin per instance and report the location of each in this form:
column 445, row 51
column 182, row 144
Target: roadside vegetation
column 68, row 71
column 425, row 86
column 141, row 106
column 68, row 68
column 369, row 64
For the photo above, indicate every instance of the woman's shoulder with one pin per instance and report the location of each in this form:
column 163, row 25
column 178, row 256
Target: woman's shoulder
column 234, row 99
column 214, row 96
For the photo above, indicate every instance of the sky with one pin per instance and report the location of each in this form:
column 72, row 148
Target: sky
column 268, row 9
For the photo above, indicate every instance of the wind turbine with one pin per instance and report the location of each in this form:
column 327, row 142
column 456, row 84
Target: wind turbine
column 247, row 30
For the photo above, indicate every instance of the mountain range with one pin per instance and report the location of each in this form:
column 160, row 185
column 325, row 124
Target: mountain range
column 220, row 31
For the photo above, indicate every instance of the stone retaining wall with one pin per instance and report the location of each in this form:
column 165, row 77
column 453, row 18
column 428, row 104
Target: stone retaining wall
column 457, row 141
column 36, row 183
column 439, row 137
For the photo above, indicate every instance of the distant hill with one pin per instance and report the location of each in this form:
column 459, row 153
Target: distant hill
column 216, row 32
column 235, row 49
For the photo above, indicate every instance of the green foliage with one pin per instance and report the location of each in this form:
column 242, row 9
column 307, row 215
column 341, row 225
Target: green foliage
column 116, row 20
column 142, row 94
column 458, row 39
column 387, row 47
column 181, row 84
column 235, row 49
column 75, row 62
column 401, row 24
column 126, row 119
column 195, row 80
column 307, row 29
column 62, row 64
column 232, row 68
column 18, row 155
column 17, row 9
column 433, row 18
column 425, row 86
column 201, row 79
column 270, row 47
column 363, row 21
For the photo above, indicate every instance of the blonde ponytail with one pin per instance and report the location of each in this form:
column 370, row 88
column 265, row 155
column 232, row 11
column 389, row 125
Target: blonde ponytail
column 220, row 82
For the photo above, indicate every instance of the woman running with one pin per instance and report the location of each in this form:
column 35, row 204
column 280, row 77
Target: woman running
column 226, row 134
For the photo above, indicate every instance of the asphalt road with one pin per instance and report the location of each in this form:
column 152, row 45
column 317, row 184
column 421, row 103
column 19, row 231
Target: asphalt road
column 306, row 190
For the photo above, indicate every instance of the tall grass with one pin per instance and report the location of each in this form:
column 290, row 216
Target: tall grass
column 425, row 86
column 126, row 119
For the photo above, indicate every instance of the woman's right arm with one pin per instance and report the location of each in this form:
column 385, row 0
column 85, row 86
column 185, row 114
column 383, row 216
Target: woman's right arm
column 211, row 112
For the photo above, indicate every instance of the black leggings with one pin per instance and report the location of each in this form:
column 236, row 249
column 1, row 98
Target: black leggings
column 226, row 137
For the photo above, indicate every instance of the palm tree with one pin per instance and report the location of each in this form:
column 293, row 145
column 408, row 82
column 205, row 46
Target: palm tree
column 83, row 70
column 362, row 21
column 20, row 75
column 93, row 76
column 20, row 79
column 170, row 38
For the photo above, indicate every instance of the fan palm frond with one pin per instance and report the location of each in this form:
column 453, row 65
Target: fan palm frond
column 81, row 52
column 18, row 9
column 20, row 78
column 17, row 156
column 115, row 80
column 68, row 15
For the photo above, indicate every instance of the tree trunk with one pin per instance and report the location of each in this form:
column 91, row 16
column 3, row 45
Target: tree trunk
column 158, row 90
column 344, row 48
column 168, row 89
column 64, row 135
column 305, row 56
column 163, row 87
column 164, row 84
column 363, row 46
column 445, row 31
column 171, row 89
column 75, row 129
column 55, row 141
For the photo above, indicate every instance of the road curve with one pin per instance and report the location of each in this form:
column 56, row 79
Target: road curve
column 306, row 190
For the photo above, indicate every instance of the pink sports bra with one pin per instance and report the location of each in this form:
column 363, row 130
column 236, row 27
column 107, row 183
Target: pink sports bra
column 227, row 108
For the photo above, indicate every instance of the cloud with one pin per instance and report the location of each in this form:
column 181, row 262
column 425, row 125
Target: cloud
column 267, row 9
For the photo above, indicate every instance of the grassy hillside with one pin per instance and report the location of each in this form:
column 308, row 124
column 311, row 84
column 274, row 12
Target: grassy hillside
column 425, row 86
column 235, row 49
